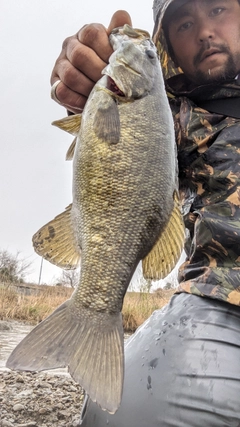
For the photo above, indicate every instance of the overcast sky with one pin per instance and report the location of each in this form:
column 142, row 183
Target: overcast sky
column 35, row 183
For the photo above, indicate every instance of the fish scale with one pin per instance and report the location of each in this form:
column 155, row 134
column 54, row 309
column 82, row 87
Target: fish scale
column 125, row 209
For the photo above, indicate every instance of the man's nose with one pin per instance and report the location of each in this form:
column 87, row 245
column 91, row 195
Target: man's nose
column 205, row 31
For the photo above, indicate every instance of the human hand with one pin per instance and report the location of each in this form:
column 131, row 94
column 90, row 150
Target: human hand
column 82, row 60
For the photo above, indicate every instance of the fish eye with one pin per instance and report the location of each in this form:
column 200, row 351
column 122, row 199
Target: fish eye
column 150, row 54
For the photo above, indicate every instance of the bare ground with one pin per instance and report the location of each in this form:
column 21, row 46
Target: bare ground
column 39, row 399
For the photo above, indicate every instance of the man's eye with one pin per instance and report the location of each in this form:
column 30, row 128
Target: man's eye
column 216, row 11
column 185, row 26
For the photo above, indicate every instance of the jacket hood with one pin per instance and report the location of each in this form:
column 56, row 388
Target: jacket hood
column 160, row 9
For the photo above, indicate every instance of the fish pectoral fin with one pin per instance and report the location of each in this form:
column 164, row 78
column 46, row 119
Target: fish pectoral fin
column 107, row 122
column 70, row 124
column 56, row 241
column 71, row 150
column 167, row 250
column 90, row 345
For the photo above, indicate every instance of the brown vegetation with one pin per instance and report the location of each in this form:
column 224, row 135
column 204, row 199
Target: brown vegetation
column 31, row 308
column 34, row 308
column 138, row 306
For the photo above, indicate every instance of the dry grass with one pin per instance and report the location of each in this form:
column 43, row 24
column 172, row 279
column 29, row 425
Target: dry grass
column 34, row 308
column 31, row 308
column 138, row 306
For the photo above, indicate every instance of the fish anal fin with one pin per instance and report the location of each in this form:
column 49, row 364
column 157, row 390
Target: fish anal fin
column 167, row 250
column 56, row 241
column 107, row 122
column 91, row 347
column 70, row 124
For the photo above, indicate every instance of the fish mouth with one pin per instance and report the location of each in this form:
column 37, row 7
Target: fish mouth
column 113, row 87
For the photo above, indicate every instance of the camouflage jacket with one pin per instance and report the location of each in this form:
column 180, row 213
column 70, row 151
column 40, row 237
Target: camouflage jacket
column 209, row 179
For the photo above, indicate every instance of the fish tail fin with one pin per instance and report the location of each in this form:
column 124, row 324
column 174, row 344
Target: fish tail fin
column 90, row 345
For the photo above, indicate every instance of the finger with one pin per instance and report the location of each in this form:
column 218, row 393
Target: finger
column 95, row 37
column 69, row 98
column 73, row 78
column 85, row 58
column 119, row 18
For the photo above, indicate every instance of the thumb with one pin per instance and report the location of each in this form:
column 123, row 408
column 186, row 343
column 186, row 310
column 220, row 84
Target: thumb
column 119, row 18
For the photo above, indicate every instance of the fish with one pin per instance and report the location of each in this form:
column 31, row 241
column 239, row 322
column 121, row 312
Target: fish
column 125, row 210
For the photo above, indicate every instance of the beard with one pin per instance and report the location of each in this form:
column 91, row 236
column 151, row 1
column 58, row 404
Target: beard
column 228, row 71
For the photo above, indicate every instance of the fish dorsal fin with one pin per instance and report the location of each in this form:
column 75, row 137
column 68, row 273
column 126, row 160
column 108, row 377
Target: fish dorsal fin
column 106, row 121
column 56, row 241
column 71, row 150
column 167, row 250
column 70, row 124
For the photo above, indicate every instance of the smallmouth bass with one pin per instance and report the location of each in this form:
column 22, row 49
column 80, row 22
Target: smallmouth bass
column 125, row 209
